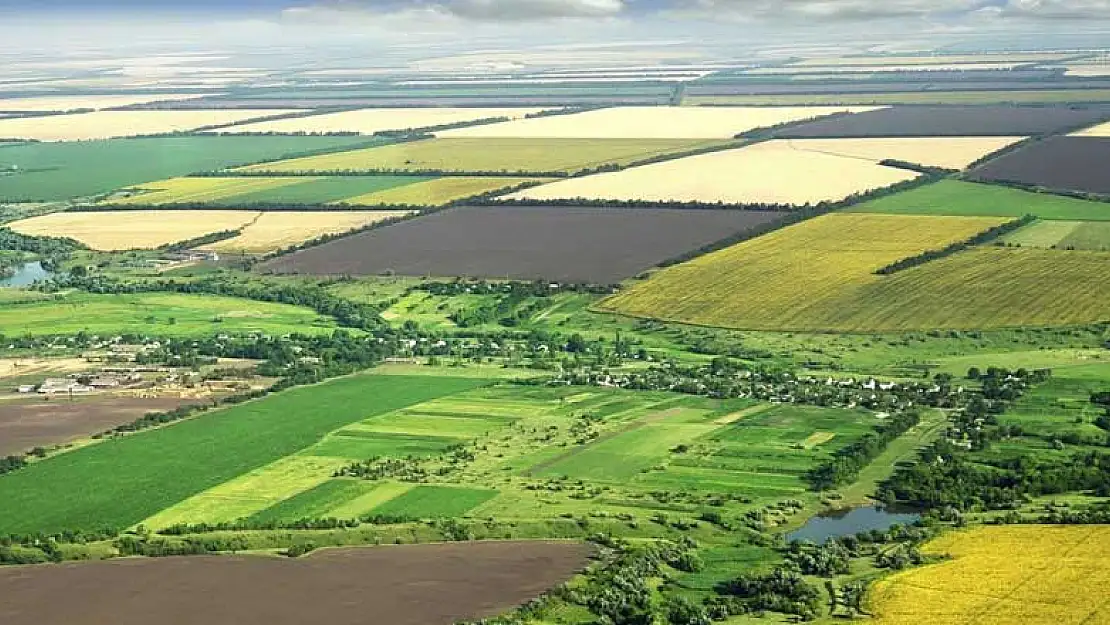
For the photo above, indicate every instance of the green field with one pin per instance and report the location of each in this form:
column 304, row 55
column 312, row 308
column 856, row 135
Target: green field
column 316, row 503
column 1064, row 235
column 956, row 198
column 121, row 482
column 161, row 314
column 336, row 189
column 61, row 171
column 435, row 502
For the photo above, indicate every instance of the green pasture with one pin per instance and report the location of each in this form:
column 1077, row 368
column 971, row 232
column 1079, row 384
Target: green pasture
column 958, row 198
column 120, row 482
column 62, row 171
column 1064, row 235
column 317, row 502
column 356, row 444
column 435, row 502
column 326, row 190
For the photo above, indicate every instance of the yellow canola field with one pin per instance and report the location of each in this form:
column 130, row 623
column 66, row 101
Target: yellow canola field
column 181, row 190
column 946, row 152
column 369, row 121
column 41, row 104
column 768, row 172
column 126, row 230
column 1004, row 575
column 109, row 124
column 782, row 280
column 437, row 192
column 279, row 230
column 653, row 122
column 1101, row 130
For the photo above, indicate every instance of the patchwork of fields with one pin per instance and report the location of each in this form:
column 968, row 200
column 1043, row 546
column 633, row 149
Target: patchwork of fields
column 111, row 124
column 370, row 121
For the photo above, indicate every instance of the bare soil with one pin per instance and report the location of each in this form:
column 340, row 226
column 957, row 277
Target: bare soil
column 564, row 244
column 952, row 121
column 35, row 422
column 1059, row 163
column 409, row 585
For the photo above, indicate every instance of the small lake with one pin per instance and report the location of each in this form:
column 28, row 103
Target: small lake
column 26, row 275
column 851, row 521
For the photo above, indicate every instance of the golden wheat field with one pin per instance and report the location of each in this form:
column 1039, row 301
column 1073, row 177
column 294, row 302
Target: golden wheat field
column 40, row 104
column 207, row 189
column 270, row 232
column 1102, row 130
column 1005, row 575
column 783, row 280
column 369, row 121
column 770, row 172
column 125, row 230
column 109, row 124
column 946, row 152
column 933, row 59
column 438, row 192
column 652, row 122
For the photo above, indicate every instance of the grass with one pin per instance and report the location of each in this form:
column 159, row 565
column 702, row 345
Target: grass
column 317, row 502
column 439, row 191
column 784, row 280
column 161, row 314
column 1067, row 235
column 62, row 171
column 1049, row 96
column 121, row 482
column 490, row 155
column 956, row 198
column 435, row 502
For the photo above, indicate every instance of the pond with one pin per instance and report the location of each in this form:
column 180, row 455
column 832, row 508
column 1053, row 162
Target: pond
column 851, row 521
column 26, row 275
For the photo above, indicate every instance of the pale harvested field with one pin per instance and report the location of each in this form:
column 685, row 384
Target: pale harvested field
column 73, row 102
column 279, row 230
column 369, row 121
column 109, row 124
column 438, row 192
column 946, row 152
column 1092, row 70
column 949, row 59
column 653, row 122
column 835, row 69
column 772, row 172
column 1102, row 130
column 181, row 190
column 111, row 231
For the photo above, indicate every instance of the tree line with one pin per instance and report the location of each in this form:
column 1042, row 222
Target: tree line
column 985, row 236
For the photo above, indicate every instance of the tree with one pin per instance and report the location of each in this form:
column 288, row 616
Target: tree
column 682, row 611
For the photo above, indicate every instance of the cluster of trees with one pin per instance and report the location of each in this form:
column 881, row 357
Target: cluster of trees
column 928, row 170
column 930, row 255
column 408, row 469
column 782, row 590
column 538, row 288
column 161, row 547
column 12, row 463
column 205, row 239
column 846, row 463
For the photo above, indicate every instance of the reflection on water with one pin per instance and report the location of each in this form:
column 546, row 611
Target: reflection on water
column 850, row 521
column 26, row 275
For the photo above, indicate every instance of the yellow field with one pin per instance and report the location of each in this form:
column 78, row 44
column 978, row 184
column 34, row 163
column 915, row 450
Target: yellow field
column 108, row 124
column 652, row 122
column 769, row 172
column 938, row 66
column 488, row 155
column 946, row 152
column 278, row 230
column 111, row 231
column 1006, row 575
column 784, row 279
column 437, row 192
column 932, row 59
column 369, row 121
column 74, row 102
column 180, row 190
column 1102, row 130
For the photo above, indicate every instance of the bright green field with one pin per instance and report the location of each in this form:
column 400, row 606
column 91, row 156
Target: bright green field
column 326, row 190
column 1065, row 235
column 438, row 502
column 121, row 482
column 61, row 171
column 957, row 198
column 163, row 314
column 317, row 502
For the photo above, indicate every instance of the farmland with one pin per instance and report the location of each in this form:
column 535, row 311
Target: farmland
column 269, row 232
column 945, row 152
column 70, row 103
column 370, row 121
column 111, row 124
column 500, row 155
column 1024, row 574
column 768, row 172
column 439, row 191
column 1058, row 163
column 956, row 198
column 950, row 121
column 134, row 229
column 648, row 123
column 261, row 190
column 1101, row 130
column 749, row 286
column 467, row 581
column 1067, row 235
column 142, row 474
column 930, row 59
column 61, row 171
column 1007, row 97
column 559, row 243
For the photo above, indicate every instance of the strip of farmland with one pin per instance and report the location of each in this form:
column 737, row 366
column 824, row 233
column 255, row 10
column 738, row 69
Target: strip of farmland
column 567, row 244
column 957, row 198
column 951, row 121
column 370, row 121
column 1058, row 163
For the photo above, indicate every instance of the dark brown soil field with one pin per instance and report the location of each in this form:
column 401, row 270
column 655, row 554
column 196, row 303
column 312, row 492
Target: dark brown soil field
column 413, row 585
column 951, row 121
column 25, row 425
column 563, row 244
column 1058, row 163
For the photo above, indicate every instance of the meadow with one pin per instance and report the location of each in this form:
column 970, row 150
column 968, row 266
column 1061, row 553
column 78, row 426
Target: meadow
column 770, row 172
column 749, row 285
column 370, row 121
column 648, row 122
column 112, row 124
column 161, row 314
column 145, row 229
column 957, row 198
column 494, row 155
column 62, row 171
column 945, row 152
column 274, row 190
column 120, row 482
column 1035, row 575
column 270, row 232
column 1065, row 235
